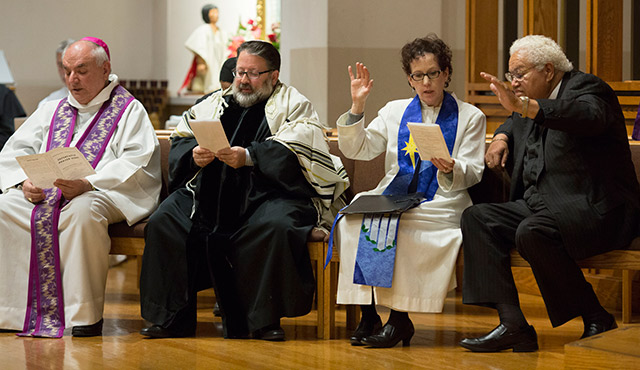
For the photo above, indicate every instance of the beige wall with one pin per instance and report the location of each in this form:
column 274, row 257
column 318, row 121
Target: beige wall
column 349, row 32
column 31, row 30
column 320, row 38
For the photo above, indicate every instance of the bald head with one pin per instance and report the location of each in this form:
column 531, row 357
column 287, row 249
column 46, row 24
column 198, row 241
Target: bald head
column 87, row 68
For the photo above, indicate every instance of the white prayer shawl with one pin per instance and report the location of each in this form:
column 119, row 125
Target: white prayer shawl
column 211, row 47
column 128, row 181
column 295, row 124
column 429, row 235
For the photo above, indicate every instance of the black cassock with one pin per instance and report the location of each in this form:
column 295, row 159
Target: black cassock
column 247, row 236
column 10, row 108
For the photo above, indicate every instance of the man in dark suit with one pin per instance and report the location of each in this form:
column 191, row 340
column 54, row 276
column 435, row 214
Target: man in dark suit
column 574, row 194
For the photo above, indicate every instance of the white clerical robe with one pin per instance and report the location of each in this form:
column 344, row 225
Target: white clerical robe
column 212, row 47
column 127, row 179
column 429, row 235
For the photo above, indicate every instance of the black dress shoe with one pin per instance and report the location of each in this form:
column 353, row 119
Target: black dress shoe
column 157, row 331
column 390, row 335
column 273, row 333
column 92, row 330
column 594, row 328
column 500, row 338
column 365, row 328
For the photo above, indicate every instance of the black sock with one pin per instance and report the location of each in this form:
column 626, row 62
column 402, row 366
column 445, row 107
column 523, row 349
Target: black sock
column 598, row 314
column 511, row 316
column 369, row 312
column 398, row 318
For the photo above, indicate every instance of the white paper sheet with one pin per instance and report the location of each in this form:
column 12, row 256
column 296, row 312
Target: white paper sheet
column 60, row 163
column 209, row 134
column 429, row 140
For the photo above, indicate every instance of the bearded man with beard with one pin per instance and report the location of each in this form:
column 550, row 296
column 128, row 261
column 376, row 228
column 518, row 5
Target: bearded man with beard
column 238, row 219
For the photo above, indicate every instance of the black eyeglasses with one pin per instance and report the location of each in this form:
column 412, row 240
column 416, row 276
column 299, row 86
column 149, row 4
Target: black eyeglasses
column 511, row 76
column 251, row 75
column 419, row 76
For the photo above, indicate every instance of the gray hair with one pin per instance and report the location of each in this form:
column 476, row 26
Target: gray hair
column 63, row 45
column 98, row 53
column 540, row 50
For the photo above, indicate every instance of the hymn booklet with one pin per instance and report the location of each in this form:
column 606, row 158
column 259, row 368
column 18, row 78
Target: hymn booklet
column 60, row 163
column 429, row 140
column 209, row 134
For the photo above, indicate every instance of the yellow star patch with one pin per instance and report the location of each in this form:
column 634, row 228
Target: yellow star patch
column 411, row 149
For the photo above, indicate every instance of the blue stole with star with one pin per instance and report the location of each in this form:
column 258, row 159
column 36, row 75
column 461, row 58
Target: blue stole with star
column 375, row 258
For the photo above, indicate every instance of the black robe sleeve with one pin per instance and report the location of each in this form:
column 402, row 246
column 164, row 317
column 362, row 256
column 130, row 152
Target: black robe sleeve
column 10, row 108
column 181, row 165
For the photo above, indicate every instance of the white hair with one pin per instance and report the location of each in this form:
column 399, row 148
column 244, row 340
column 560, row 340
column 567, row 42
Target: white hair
column 540, row 50
column 99, row 54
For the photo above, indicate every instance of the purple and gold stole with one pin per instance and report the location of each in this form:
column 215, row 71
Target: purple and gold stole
column 45, row 305
column 375, row 258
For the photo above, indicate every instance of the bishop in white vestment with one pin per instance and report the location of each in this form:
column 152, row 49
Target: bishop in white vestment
column 126, row 186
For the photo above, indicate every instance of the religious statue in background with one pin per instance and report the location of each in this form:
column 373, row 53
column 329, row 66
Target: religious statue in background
column 208, row 45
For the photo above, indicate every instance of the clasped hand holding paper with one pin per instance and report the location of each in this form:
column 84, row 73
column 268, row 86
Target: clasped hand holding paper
column 429, row 140
column 60, row 163
column 209, row 134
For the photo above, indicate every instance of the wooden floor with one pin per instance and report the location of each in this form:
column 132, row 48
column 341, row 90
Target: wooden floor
column 434, row 345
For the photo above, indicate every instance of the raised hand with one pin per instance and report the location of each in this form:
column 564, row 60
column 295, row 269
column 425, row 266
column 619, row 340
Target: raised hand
column 507, row 98
column 361, row 86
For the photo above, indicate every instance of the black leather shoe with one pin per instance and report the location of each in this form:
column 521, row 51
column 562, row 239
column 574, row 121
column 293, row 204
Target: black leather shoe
column 216, row 310
column 500, row 338
column 390, row 335
column 594, row 328
column 273, row 333
column 157, row 331
column 365, row 328
column 92, row 330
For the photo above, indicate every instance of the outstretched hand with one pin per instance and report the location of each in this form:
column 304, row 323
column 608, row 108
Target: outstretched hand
column 361, row 86
column 507, row 98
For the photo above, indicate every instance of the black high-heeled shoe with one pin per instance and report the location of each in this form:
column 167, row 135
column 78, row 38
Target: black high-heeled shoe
column 390, row 335
column 365, row 328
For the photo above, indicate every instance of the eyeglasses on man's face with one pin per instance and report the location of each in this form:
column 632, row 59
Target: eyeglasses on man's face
column 512, row 76
column 419, row 76
column 251, row 75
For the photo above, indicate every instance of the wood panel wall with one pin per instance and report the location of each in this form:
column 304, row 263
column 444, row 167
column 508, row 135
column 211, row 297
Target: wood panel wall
column 604, row 39
column 541, row 18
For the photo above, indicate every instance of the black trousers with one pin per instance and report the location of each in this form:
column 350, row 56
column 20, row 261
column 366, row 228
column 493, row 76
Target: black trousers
column 491, row 230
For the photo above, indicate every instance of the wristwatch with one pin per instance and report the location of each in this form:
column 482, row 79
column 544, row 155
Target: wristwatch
column 525, row 105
